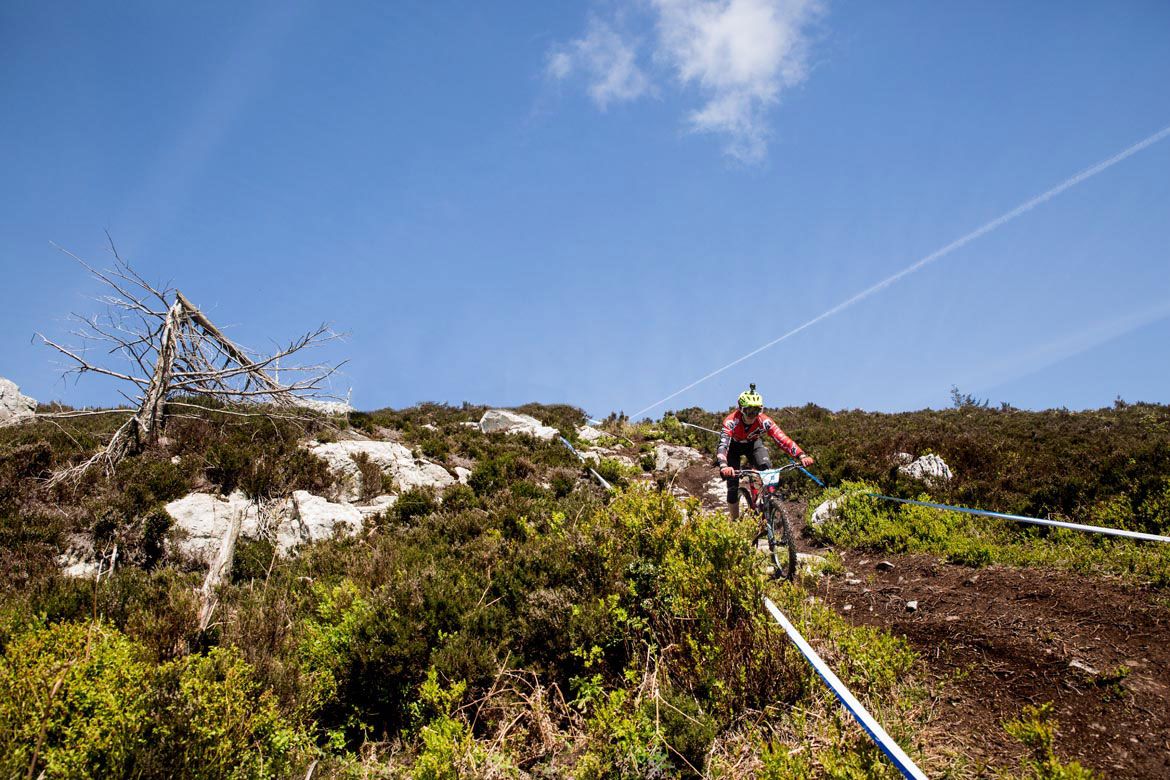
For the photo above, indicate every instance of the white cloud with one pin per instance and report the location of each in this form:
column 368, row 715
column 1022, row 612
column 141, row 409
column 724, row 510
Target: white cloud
column 608, row 59
column 738, row 55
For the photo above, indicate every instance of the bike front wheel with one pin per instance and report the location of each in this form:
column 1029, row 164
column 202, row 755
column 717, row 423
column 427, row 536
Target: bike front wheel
column 781, row 542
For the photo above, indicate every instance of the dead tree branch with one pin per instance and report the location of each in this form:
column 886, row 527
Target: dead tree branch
column 179, row 353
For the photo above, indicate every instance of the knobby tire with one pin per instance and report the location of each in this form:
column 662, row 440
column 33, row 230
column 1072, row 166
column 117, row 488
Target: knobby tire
column 781, row 543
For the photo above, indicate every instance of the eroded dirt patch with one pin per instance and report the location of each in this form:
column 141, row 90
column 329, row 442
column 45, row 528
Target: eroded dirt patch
column 999, row 638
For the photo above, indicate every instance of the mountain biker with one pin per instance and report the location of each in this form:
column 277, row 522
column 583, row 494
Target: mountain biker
column 742, row 434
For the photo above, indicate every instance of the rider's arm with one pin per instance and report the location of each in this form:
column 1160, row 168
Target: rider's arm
column 780, row 437
column 724, row 441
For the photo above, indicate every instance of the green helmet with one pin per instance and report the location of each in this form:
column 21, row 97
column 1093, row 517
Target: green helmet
column 750, row 398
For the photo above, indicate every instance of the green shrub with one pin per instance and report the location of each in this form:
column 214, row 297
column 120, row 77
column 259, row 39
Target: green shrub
column 459, row 497
column 416, row 502
column 263, row 463
column 613, row 471
column 155, row 526
column 143, row 482
column 1037, row 730
column 494, row 473
column 214, row 721
column 253, row 559
column 371, row 475
column 19, row 466
column 448, row 750
column 869, row 523
column 75, row 701
column 562, row 481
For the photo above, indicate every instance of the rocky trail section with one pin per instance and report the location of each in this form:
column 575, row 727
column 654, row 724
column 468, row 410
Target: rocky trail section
column 997, row 639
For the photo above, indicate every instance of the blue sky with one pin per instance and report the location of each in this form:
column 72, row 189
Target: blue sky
column 600, row 203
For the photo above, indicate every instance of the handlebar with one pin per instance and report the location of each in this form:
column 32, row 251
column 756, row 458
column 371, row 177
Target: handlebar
column 756, row 472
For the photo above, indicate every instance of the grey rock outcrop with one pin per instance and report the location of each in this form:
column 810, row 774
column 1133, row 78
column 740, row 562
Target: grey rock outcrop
column 598, row 454
column 674, row 457
column 504, row 421
column 329, row 408
column 202, row 519
column 827, row 510
column 79, row 559
column 311, row 518
column 14, row 407
column 391, row 457
column 589, row 434
column 930, row 469
column 376, row 505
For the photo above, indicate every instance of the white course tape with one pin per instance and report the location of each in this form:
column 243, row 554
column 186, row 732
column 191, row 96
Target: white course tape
column 700, row 427
column 871, row 726
column 1095, row 529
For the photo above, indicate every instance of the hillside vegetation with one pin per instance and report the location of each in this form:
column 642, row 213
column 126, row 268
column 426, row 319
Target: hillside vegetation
column 526, row 624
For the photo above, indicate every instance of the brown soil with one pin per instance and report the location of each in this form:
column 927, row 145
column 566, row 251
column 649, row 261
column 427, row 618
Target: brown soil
column 996, row 639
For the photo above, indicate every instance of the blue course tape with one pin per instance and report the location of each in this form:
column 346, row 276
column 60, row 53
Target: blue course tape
column 1097, row 529
column 1034, row 520
column 809, row 474
column 883, row 740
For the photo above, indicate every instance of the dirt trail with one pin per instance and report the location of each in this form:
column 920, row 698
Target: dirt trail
column 999, row 638
column 996, row 639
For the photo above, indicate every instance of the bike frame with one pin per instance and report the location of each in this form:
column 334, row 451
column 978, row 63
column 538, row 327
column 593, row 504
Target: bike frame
column 763, row 481
column 762, row 486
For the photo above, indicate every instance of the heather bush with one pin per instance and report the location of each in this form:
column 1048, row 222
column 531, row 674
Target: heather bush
column 83, row 700
column 213, row 720
column 75, row 701
column 868, row 523
column 526, row 621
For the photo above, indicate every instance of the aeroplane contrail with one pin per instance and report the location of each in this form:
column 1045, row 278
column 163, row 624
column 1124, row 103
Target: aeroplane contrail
column 1023, row 208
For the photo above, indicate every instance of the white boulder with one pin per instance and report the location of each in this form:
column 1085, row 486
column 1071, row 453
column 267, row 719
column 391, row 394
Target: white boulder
column 203, row 518
column 673, row 457
column 313, row 518
column 376, row 505
column 391, row 457
column 14, row 407
column 79, row 559
column 462, row 474
column 502, row 420
column 828, row 510
column 595, row 456
column 328, row 408
column 80, row 569
column 930, row 469
column 589, row 434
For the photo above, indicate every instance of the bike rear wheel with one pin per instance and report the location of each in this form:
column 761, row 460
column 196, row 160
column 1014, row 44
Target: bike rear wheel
column 781, row 543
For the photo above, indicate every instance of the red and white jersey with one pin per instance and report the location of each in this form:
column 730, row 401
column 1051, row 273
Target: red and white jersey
column 736, row 428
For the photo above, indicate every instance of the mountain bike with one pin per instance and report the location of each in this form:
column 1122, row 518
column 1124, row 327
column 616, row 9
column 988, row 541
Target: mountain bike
column 760, row 493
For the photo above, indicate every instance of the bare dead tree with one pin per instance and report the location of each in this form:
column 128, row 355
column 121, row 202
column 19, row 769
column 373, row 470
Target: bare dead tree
column 166, row 349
